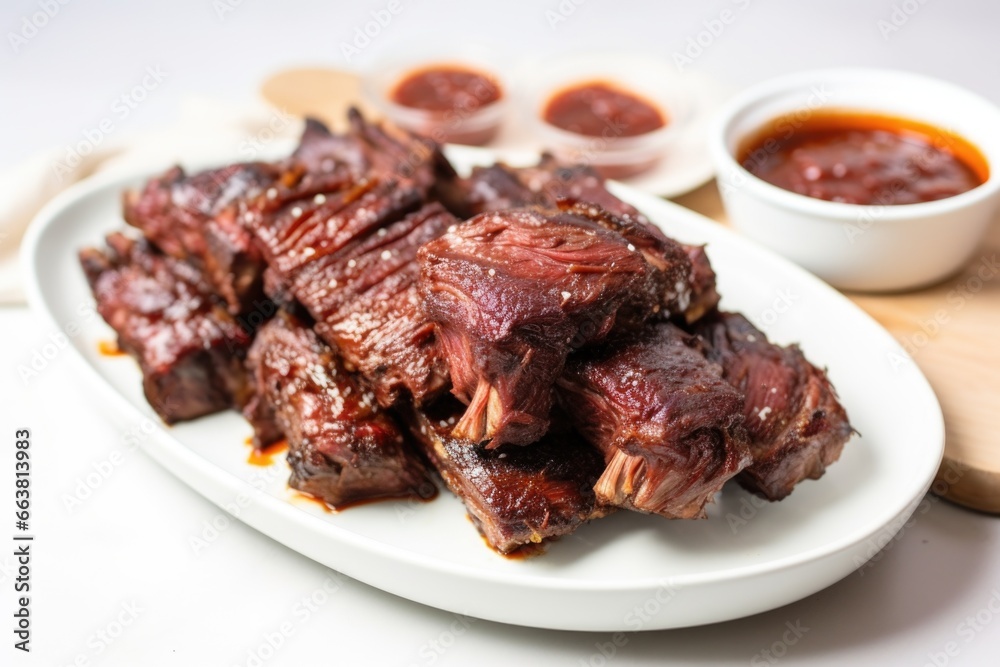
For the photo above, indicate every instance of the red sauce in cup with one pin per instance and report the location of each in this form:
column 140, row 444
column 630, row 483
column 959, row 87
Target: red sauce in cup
column 599, row 109
column 446, row 89
column 452, row 96
column 863, row 158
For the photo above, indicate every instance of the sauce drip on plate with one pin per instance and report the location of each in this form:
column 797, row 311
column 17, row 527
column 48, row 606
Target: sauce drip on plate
column 265, row 457
column 109, row 348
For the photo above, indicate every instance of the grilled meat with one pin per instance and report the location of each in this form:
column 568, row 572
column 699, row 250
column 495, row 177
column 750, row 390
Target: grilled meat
column 190, row 349
column 669, row 425
column 551, row 185
column 513, row 292
column 520, row 496
column 796, row 424
column 349, row 261
column 198, row 219
column 342, row 447
column 559, row 315
column 704, row 297
column 555, row 181
column 493, row 188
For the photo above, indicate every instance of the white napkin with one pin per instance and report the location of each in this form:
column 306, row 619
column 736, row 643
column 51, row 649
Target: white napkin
column 205, row 127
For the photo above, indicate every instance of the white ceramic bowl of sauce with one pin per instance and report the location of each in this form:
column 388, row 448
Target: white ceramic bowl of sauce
column 878, row 246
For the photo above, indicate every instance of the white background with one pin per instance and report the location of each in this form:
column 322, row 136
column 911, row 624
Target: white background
column 129, row 543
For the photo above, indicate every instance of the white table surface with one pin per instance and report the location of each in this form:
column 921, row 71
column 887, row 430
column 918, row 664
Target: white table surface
column 128, row 546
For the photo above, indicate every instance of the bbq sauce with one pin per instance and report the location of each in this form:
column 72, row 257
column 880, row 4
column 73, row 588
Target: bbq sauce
column 446, row 88
column 299, row 495
column 601, row 109
column 523, row 552
column 426, row 496
column 862, row 158
column 109, row 348
column 265, row 457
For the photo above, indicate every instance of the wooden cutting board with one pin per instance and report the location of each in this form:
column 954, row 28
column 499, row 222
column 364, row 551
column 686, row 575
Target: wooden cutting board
column 952, row 330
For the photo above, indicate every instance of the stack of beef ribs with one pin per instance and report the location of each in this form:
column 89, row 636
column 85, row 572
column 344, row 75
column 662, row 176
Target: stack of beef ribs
column 521, row 332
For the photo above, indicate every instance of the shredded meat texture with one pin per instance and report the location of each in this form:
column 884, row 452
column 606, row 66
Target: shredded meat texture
column 342, row 448
column 553, row 185
column 796, row 424
column 198, row 219
column 520, row 497
column 670, row 427
column 667, row 291
column 190, row 349
column 512, row 293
